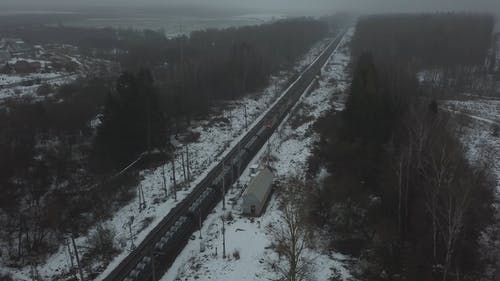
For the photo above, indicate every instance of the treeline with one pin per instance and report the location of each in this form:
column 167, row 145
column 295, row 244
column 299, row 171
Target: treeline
column 400, row 194
column 192, row 71
column 229, row 63
column 208, row 66
column 427, row 40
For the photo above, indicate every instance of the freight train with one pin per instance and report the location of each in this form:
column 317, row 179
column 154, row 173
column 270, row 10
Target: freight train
column 157, row 252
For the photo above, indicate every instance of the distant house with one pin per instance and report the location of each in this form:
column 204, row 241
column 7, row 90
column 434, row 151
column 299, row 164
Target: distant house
column 4, row 57
column 25, row 67
column 257, row 193
column 15, row 46
column 22, row 67
column 35, row 66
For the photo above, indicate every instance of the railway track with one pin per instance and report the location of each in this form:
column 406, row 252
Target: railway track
column 155, row 254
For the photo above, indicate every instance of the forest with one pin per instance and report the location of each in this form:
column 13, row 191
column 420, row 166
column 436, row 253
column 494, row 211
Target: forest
column 451, row 52
column 427, row 40
column 400, row 194
column 59, row 153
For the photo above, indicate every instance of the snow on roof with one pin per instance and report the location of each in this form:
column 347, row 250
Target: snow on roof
column 260, row 184
column 4, row 54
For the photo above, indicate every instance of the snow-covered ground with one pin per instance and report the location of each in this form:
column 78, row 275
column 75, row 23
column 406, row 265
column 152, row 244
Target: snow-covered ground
column 482, row 108
column 8, row 79
column 263, row 17
column 291, row 148
column 215, row 138
column 478, row 133
column 10, row 84
column 483, row 148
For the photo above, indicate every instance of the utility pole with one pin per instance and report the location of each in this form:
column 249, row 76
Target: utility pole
column 173, row 177
column 164, row 181
column 223, row 238
column 232, row 176
column 77, row 257
column 246, row 118
column 188, row 164
column 149, row 123
column 238, row 161
column 142, row 199
column 183, row 166
column 199, row 222
column 268, row 152
column 67, row 242
column 130, row 222
column 223, row 186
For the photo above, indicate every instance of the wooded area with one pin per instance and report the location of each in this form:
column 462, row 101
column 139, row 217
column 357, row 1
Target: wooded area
column 58, row 153
column 427, row 40
column 451, row 52
column 400, row 194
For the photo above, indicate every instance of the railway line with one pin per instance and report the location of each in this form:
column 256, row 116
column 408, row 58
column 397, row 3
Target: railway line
column 154, row 255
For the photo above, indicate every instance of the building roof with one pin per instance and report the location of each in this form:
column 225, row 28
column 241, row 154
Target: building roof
column 4, row 55
column 260, row 184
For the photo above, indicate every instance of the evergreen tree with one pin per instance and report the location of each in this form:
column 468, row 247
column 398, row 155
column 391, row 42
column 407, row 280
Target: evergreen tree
column 132, row 122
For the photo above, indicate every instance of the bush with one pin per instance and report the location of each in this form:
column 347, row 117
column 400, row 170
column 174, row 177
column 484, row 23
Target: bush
column 102, row 244
column 496, row 131
column 6, row 277
column 229, row 217
column 44, row 90
column 236, row 254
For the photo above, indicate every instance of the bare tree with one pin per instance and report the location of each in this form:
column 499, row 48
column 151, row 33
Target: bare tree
column 290, row 236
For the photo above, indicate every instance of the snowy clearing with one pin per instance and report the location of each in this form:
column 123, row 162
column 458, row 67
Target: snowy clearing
column 487, row 109
column 14, row 90
column 478, row 133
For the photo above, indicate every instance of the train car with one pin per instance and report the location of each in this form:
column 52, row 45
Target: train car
column 251, row 144
column 170, row 236
column 141, row 271
column 263, row 130
column 201, row 207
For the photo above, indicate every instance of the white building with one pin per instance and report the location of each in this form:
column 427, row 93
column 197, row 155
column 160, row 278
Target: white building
column 257, row 193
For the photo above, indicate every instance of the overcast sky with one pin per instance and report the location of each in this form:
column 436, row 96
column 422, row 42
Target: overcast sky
column 305, row 6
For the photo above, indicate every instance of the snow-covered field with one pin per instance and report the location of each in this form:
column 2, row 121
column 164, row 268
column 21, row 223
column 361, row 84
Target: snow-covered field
column 483, row 108
column 215, row 139
column 10, row 84
column 8, row 79
column 173, row 25
column 483, row 148
column 291, row 148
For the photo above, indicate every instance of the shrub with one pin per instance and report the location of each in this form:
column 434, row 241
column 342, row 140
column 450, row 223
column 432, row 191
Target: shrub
column 44, row 90
column 6, row 277
column 229, row 217
column 102, row 244
column 236, row 254
column 496, row 131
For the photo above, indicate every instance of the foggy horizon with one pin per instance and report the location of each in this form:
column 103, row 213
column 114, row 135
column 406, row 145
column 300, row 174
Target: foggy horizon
column 292, row 7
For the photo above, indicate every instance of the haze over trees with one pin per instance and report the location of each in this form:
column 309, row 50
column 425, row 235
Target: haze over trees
column 451, row 52
column 427, row 40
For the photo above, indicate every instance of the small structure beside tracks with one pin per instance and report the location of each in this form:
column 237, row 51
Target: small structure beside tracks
column 257, row 193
